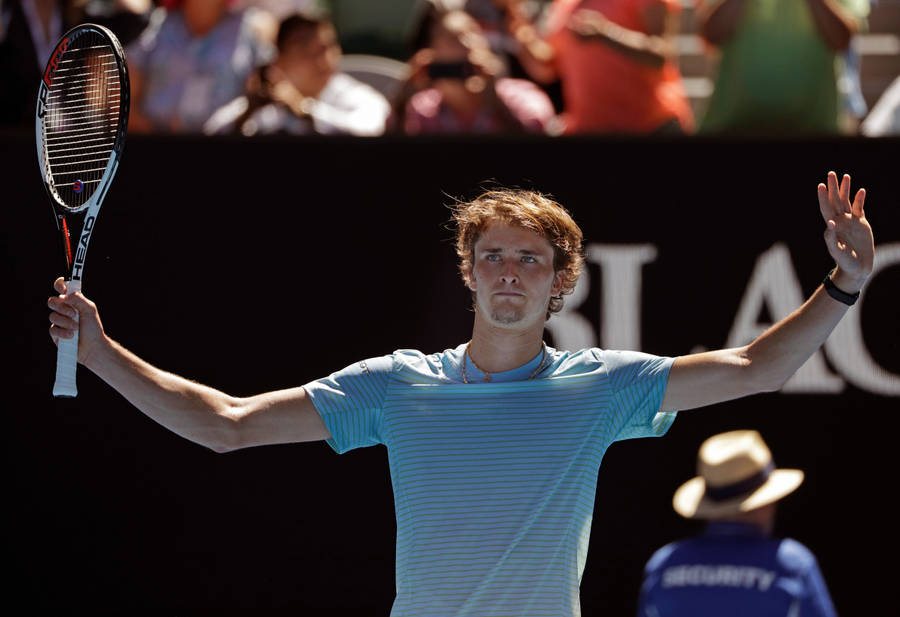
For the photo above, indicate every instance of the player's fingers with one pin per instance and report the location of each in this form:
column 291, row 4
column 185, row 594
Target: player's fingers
column 834, row 192
column 81, row 304
column 844, row 193
column 59, row 305
column 60, row 285
column 858, row 203
column 57, row 333
column 63, row 321
column 831, row 239
column 825, row 206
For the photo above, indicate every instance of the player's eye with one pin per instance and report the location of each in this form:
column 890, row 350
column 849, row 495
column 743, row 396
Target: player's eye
column 492, row 257
column 529, row 259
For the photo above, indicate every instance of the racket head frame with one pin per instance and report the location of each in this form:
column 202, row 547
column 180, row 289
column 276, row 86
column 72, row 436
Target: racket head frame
column 74, row 254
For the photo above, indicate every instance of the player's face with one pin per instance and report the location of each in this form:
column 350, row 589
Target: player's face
column 513, row 276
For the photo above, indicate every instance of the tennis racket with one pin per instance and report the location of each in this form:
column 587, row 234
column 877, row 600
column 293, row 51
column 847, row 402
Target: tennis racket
column 82, row 116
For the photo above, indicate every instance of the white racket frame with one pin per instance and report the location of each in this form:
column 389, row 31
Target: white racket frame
column 67, row 349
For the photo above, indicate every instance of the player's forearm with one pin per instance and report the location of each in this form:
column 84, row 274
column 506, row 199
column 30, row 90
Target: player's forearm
column 196, row 412
column 777, row 353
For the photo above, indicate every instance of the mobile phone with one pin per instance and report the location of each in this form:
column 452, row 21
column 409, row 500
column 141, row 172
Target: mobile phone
column 450, row 70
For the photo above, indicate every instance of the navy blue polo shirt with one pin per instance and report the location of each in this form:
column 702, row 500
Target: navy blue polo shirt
column 734, row 569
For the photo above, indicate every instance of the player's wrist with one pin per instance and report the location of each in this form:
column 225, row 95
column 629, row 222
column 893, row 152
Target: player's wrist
column 847, row 282
column 99, row 354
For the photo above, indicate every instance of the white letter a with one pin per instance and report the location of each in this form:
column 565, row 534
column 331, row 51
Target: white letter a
column 774, row 284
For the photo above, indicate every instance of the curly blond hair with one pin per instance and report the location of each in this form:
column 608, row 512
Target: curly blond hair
column 529, row 210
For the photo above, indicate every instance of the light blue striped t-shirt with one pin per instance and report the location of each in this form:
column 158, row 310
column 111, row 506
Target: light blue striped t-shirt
column 493, row 482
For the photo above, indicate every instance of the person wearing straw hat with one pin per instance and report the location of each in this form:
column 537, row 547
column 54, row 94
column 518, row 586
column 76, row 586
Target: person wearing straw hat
column 735, row 566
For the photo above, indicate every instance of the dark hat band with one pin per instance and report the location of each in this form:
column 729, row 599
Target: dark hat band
column 747, row 485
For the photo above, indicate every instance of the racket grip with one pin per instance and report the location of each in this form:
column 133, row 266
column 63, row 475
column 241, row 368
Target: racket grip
column 67, row 356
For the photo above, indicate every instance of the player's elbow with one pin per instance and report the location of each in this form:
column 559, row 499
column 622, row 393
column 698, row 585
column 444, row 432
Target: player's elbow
column 773, row 383
column 761, row 375
column 219, row 448
column 225, row 435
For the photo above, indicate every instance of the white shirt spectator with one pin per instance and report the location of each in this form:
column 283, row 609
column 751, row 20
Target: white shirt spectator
column 345, row 106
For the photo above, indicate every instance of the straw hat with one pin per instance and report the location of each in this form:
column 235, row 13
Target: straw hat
column 736, row 474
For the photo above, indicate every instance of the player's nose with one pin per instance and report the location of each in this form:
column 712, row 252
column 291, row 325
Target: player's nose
column 509, row 274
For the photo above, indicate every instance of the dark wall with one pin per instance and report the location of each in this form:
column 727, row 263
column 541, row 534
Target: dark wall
column 255, row 265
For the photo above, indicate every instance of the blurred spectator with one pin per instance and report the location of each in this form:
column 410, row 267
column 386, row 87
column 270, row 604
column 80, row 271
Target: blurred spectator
column 457, row 84
column 302, row 92
column 499, row 21
column 126, row 18
column 617, row 63
column 29, row 30
column 282, row 9
column 884, row 119
column 735, row 567
column 778, row 71
column 853, row 107
column 194, row 57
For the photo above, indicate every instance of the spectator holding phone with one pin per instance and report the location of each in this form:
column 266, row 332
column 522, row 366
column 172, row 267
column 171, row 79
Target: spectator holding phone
column 302, row 91
column 458, row 85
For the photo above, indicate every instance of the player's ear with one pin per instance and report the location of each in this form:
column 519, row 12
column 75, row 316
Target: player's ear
column 470, row 280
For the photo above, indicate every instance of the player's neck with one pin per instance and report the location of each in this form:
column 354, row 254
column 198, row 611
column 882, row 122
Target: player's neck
column 495, row 349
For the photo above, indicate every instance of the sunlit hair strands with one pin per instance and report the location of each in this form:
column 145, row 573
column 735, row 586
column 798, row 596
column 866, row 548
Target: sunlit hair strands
column 529, row 210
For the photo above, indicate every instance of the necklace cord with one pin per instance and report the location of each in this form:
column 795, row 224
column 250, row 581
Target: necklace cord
column 487, row 375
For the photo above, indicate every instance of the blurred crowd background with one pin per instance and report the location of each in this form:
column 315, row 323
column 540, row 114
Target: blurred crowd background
column 556, row 67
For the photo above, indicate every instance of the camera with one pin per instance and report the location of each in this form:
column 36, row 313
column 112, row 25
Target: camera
column 450, row 70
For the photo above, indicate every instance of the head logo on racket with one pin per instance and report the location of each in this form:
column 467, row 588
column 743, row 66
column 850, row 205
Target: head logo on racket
column 80, row 126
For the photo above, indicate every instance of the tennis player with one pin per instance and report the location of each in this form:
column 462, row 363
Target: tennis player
column 494, row 446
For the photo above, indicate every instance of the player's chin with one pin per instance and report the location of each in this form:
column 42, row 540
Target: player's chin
column 507, row 316
column 506, row 319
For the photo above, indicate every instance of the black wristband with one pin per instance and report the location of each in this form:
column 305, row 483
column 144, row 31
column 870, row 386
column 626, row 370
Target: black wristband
column 837, row 294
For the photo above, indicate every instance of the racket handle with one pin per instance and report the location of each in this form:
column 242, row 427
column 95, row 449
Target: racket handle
column 67, row 356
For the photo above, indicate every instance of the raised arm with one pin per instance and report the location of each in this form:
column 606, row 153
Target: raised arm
column 717, row 20
column 652, row 47
column 835, row 23
column 196, row 412
column 769, row 361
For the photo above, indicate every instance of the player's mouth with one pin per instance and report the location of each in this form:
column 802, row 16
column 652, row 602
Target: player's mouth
column 508, row 294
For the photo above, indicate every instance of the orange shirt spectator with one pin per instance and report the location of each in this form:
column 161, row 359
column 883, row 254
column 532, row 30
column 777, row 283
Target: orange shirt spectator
column 617, row 68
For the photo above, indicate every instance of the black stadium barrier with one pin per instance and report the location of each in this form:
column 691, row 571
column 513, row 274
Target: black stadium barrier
column 263, row 264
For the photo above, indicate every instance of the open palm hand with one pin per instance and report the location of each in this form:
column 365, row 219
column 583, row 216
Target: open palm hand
column 848, row 234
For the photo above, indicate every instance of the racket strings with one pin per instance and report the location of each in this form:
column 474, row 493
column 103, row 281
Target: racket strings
column 82, row 118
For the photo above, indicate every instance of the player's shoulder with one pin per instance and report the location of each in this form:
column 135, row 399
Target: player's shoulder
column 594, row 358
column 420, row 367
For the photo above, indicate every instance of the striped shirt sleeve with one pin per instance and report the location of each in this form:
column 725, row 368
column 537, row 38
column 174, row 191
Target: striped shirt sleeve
column 351, row 403
column 639, row 382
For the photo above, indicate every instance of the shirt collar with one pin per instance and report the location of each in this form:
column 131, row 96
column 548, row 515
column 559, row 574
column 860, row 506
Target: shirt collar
column 732, row 528
column 520, row 373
